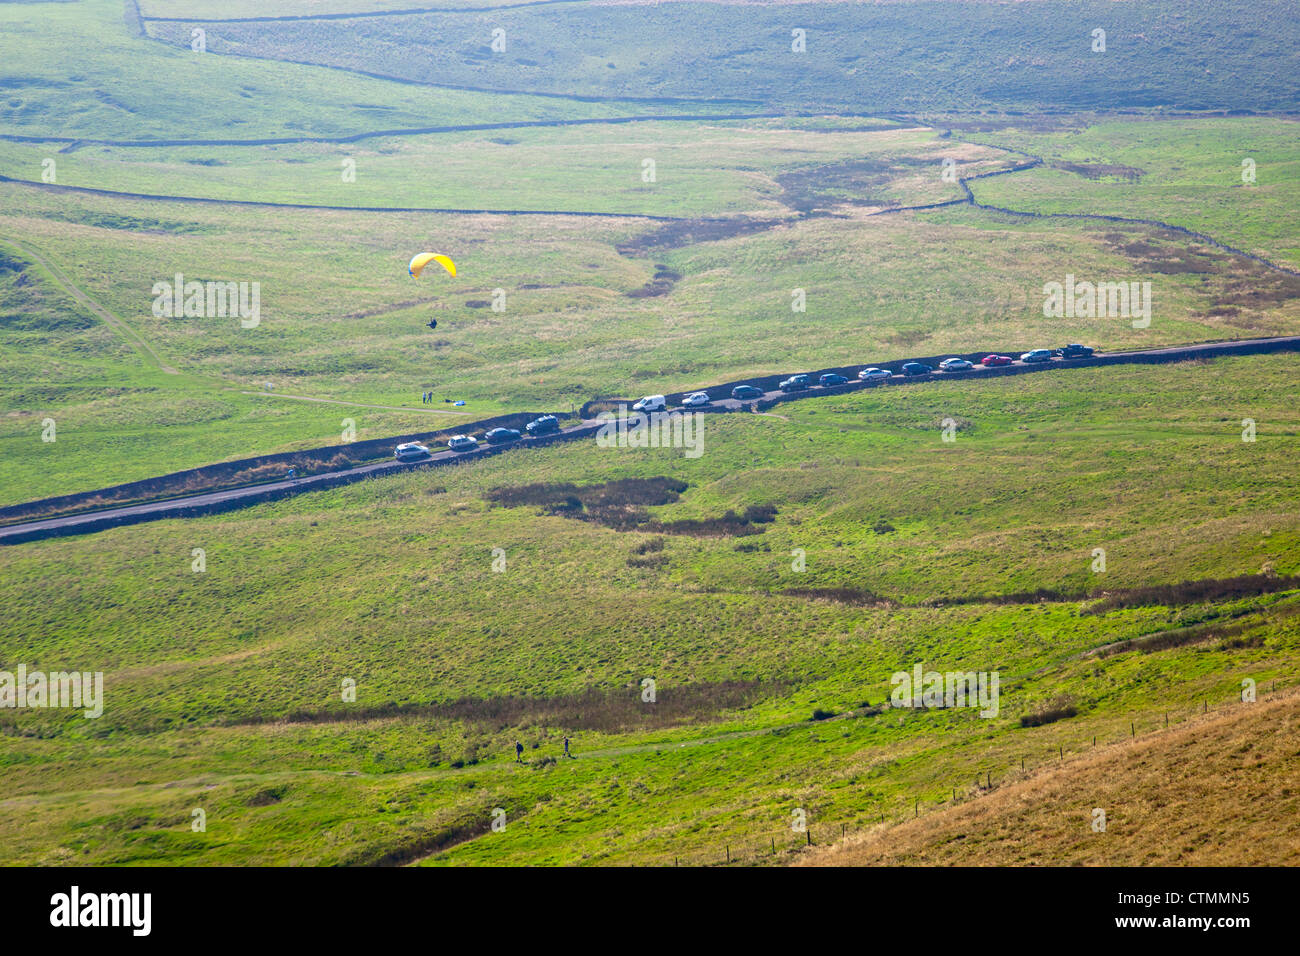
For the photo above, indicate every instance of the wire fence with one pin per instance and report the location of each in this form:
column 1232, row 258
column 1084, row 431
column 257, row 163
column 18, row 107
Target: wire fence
column 778, row 846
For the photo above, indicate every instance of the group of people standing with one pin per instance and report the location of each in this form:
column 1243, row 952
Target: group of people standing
column 519, row 751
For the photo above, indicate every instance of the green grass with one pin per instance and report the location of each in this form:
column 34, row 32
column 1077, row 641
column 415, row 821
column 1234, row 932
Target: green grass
column 1187, row 172
column 701, row 169
column 902, row 57
column 75, row 70
column 343, row 321
column 1048, row 468
column 223, row 687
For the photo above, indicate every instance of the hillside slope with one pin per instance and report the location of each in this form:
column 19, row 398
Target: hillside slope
column 1223, row 790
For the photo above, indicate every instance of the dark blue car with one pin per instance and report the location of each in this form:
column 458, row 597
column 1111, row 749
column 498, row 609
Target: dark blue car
column 543, row 426
column 911, row 369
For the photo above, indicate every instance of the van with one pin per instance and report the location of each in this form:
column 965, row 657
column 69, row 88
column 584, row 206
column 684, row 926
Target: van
column 651, row 403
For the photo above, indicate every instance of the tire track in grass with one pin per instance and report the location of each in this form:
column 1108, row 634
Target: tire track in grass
column 124, row 331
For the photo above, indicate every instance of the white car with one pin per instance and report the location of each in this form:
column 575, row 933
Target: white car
column 651, row 403
column 695, row 399
column 955, row 365
column 410, row 451
column 874, row 374
column 462, row 442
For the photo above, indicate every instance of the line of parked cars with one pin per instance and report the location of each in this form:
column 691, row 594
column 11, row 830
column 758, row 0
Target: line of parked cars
column 549, row 424
column 545, row 425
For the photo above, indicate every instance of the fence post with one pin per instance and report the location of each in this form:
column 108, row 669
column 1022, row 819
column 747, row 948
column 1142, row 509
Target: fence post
column 809, row 833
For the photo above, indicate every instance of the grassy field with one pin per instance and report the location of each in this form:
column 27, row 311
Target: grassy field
column 700, row 169
column 1186, row 172
column 1189, row 797
column 433, row 631
column 901, row 57
column 810, row 553
column 129, row 87
column 342, row 321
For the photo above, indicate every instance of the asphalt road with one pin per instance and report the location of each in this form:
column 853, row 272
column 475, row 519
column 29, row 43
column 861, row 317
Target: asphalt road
column 217, row 501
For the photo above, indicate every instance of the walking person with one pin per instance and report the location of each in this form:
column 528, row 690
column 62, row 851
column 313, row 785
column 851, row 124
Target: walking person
column 566, row 748
column 519, row 752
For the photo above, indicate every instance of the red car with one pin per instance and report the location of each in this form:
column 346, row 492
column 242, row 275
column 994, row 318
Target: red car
column 991, row 361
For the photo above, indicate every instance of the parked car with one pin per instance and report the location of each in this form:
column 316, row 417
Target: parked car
column 795, row 383
column 651, row 403
column 831, row 379
column 911, row 369
column 955, row 365
column 745, row 392
column 993, row 361
column 696, row 399
column 1075, row 351
column 410, row 451
column 543, row 426
column 462, row 442
column 874, row 374
column 1037, row 355
column 501, row 436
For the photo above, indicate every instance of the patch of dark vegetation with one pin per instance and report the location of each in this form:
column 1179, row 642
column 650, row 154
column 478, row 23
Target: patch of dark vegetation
column 1042, row 595
column 617, row 504
column 1207, row 591
column 685, row 232
column 1224, row 632
column 883, row 527
column 855, row 597
column 621, row 505
column 660, row 284
column 730, row 524
column 264, row 798
column 1102, row 171
column 649, row 547
column 1259, row 292
column 596, row 709
column 108, row 220
column 845, row 183
column 477, row 303
column 1061, row 708
column 423, row 846
column 820, row 714
column 648, row 554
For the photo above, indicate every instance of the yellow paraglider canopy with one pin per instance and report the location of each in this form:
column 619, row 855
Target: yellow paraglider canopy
column 423, row 259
